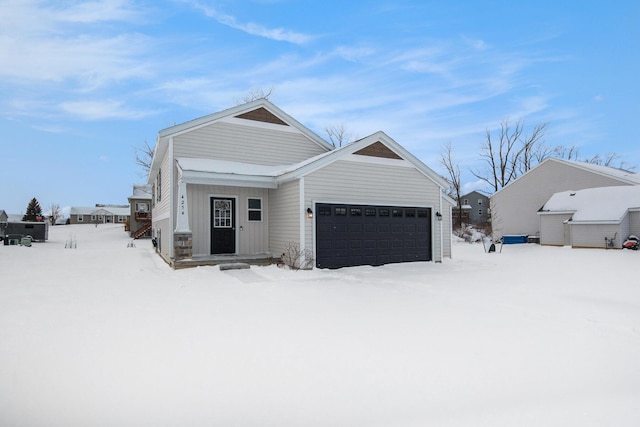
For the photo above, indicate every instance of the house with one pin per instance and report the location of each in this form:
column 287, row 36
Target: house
column 99, row 214
column 4, row 218
column 514, row 208
column 252, row 183
column 474, row 209
column 601, row 217
column 140, row 211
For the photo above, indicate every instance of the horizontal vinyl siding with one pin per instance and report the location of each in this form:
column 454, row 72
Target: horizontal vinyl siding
column 166, row 237
column 514, row 209
column 250, row 144
column 368, row 183
column 284, row 213
column 251, row 235
column 593, row 235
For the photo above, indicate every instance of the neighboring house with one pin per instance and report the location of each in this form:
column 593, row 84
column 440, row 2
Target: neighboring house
column 99, row 214
column 514, row 208
column 140, row 211
column 600, row 217
column 251, row 183
column 475, row 209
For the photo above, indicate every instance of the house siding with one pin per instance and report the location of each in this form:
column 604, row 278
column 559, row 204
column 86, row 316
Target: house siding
column 284, row 214
column 248, row 144
column 251, row 236
column 634, row 224
column 514, row 208
column 164, row 231
column 552, row 229
column 378, row 184
column 593, row 235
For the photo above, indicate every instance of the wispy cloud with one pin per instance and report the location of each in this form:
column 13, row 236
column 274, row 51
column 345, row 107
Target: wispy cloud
column 101, row 110
column 279, row 34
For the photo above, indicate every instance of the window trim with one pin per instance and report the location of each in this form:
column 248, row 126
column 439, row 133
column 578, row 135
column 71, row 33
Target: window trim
column 250, row 209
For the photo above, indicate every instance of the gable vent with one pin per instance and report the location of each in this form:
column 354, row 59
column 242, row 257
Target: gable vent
column 262, row 115
column 378, row 149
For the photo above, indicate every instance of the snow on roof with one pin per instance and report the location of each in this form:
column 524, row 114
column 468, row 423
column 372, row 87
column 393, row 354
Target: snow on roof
column 141, row 191
column 595, row 204
column 606, row 170
column 99, row 210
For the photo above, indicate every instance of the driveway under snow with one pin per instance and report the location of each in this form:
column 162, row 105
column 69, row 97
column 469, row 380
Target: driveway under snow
column 109, row 335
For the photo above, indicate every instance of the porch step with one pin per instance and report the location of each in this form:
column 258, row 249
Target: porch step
column 234, row 266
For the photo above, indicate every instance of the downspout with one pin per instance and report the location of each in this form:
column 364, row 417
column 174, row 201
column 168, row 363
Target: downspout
column 301, row 210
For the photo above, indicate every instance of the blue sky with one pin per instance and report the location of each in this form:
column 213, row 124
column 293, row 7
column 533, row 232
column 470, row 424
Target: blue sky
column 82, row 83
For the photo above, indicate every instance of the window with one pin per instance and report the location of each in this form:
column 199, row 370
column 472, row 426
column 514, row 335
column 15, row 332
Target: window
column 341, row 211
column 423, row 213
column 142, row 207
column 254, row 209
column 480, row 212
column 466, row 202
column 410, row 213
column 396, row 213
column 93, row 217
column 80, row 218
column 383, row 212
column 479, row 202
column 355, row 211
column 121, row 218
column 369, row 212
column 324, row 210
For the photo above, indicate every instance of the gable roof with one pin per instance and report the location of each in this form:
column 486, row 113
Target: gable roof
column 623, row 176
column 141, row 191
column 100, row 210
column 261, row 110
column 601, row 204
column 236, row 173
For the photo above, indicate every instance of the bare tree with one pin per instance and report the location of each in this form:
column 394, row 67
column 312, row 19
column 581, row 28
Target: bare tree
column 453, row 170
column 144, row 157
column 54, row 213
column 338, row 135
column 612, row 160
column 254, row 94
column 510, row 153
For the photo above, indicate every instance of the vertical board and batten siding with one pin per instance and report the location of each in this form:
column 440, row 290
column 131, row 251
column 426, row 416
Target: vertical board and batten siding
column 593, row 235
column 252, row 236
column 552, row 229
column 356, row 182
column 247, row 144
column 284, row 215
column 514, row 208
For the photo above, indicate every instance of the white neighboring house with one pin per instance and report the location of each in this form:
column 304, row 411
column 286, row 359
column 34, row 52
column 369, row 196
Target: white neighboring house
column 591, row 218
column 99, row 214
column 250, row 182
column 514, row 208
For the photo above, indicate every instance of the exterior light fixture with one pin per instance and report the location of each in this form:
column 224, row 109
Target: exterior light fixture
column 309, row 213
column 439, row 216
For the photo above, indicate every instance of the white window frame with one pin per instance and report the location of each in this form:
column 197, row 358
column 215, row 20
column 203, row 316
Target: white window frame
column 249, row 209
column 80, row 218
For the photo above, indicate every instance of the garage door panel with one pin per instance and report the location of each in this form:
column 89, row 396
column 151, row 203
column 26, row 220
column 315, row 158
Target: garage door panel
column 348, row 235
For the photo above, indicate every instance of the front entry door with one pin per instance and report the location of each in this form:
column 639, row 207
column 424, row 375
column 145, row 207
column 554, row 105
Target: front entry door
column 223, row 226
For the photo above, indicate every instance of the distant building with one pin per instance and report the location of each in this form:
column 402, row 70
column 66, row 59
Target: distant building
column 475, row 209
column 140, row 211
column 99, row 214
column 12, row 228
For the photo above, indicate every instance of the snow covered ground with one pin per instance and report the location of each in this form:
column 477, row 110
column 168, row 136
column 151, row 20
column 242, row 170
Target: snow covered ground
column 109, row 335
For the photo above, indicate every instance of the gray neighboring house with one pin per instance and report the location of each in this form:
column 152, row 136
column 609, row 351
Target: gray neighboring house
column 13, row 226
column 514, row 208
column 250, row 182
column 600, row 217
column 4, row 218
column 140, row 214
column 99, row 214
column 475, row 207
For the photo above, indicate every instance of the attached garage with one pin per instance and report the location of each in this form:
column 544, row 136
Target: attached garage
column 350, row 235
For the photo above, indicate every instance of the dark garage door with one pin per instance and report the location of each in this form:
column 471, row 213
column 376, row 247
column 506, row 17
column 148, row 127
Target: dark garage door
column 349, row 235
